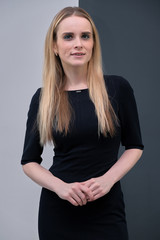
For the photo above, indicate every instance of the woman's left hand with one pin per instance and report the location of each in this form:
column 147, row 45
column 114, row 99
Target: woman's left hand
column 99, row 187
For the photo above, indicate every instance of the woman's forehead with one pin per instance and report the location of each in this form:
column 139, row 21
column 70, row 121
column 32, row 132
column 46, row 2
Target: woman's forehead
column 75, row 23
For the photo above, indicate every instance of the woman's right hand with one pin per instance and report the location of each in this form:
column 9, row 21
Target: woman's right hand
column 76, row 193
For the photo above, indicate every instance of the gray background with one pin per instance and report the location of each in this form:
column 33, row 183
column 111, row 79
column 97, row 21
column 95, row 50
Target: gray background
column 23, row 26
column 130, row 37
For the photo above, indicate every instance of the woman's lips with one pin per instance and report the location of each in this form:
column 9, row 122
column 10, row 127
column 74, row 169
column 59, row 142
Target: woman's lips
column 78, row 54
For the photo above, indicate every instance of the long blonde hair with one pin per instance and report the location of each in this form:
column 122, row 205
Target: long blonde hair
column 55, row 110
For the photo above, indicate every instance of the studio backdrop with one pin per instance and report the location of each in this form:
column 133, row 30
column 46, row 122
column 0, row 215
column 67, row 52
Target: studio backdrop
column 130, row 39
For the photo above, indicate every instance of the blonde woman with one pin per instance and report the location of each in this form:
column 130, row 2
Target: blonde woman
column 86, row 116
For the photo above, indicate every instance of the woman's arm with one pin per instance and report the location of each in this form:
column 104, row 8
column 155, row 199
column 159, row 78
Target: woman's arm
column 102, row 185
column 41, row 176
column 75, row 193
column 130, row 138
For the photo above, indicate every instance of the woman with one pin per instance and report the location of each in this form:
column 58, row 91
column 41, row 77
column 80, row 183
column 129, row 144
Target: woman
column 86, row 115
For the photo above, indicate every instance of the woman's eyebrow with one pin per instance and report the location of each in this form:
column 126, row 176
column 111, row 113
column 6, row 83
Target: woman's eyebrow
column 67, row 33
column 85, row 32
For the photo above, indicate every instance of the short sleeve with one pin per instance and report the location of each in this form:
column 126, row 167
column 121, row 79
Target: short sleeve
column 128, row 115
column 32, row 149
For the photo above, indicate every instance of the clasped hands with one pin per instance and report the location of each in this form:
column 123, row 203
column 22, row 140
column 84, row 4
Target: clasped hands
column 79, row 193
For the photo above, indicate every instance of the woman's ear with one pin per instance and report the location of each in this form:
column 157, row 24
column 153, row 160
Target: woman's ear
column 55, row 50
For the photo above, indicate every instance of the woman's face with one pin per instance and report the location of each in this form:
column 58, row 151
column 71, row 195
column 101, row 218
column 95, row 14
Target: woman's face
column 74, row 42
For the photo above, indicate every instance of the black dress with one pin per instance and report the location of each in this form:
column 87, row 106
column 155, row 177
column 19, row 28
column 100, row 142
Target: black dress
column 82, row 155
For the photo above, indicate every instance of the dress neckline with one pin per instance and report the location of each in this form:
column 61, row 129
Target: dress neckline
column 77, row 90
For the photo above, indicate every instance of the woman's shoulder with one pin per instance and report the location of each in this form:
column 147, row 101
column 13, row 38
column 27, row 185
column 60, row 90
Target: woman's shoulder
column 37, row 93
column 34, row 104
column 36, row 96
column 117, row 84
column 116, row 81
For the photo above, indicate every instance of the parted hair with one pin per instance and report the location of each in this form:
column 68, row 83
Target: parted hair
column 55, row 110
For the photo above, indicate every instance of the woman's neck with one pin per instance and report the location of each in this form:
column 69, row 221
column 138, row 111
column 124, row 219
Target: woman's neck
column 76, row 78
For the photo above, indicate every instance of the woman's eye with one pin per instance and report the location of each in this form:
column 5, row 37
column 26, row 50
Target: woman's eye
column 68, row 36
column 85, row 36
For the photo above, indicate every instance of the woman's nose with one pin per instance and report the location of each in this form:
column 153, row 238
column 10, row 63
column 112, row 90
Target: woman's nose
column 78, row 43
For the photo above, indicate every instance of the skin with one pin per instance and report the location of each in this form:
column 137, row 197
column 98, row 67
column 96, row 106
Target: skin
column 74, row 36
column 71, row 39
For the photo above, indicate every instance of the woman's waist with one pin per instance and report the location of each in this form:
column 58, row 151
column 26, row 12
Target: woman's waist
column 79, row 172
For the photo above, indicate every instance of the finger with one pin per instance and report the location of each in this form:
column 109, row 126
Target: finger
column 92, row 185
column 88, row 183
column 96, row 191
column 83, row 197
column 97, row 196
column 79, row 195
column 77, row 199
column 88, row 193
column 72, row 201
